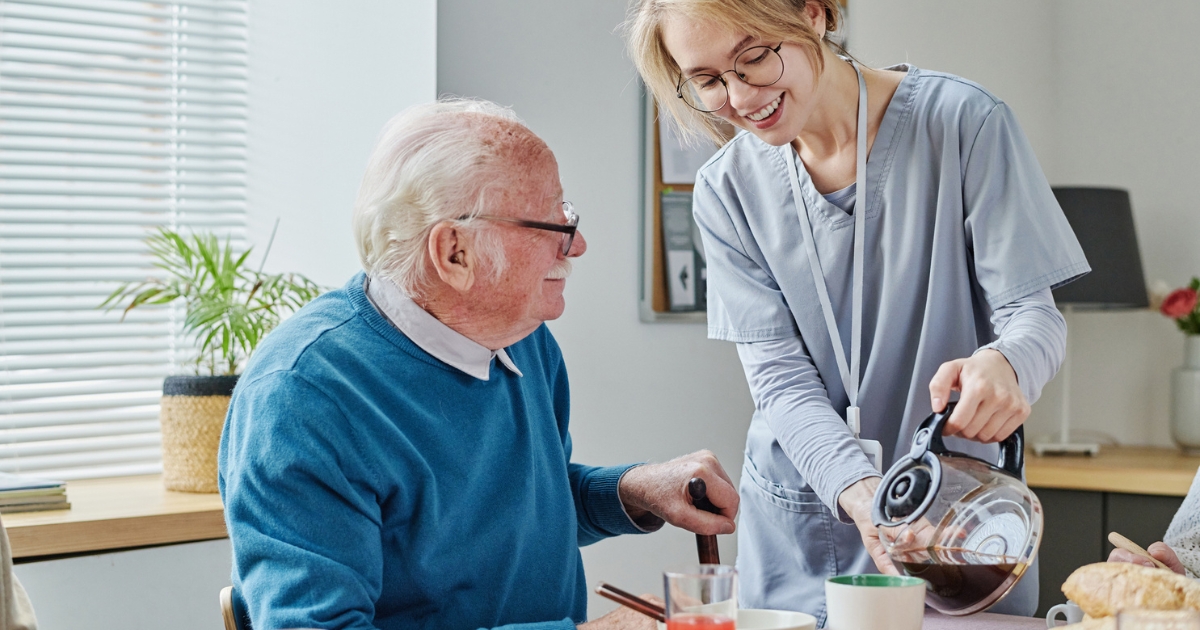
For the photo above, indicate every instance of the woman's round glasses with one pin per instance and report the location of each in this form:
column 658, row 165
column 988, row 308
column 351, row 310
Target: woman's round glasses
column 759, row 66
column 568, row 230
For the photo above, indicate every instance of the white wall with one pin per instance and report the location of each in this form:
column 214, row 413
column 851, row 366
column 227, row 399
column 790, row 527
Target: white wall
column 324, row 77
column 1105, row 94
column 638, row 391
column 162, row 587
column 1127, row 86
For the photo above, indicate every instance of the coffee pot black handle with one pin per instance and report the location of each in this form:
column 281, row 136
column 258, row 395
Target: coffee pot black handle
column 1012, row 449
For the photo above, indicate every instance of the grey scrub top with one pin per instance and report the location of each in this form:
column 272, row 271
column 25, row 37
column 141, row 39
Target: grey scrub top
column 960, row 221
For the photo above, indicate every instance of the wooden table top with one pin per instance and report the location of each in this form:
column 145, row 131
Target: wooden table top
column 116, row 513
column 1129, row 469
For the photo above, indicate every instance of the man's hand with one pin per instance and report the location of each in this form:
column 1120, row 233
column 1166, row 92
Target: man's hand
column 623, row 619
column 661, row 490
column 856, row 501
column 992, row 404
column 1159, row 550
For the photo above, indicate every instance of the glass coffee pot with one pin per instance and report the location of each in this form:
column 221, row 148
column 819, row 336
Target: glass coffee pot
column 968, row 528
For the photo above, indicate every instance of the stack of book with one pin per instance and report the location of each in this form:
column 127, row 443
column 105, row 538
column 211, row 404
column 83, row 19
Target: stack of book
column 19, row 493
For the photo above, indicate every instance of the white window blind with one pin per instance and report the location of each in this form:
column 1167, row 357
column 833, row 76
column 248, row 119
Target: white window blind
column 116, row 116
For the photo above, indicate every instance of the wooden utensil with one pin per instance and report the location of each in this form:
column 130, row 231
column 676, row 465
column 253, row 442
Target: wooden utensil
column 1121, row 542
column 706, row 546
column 650, row 609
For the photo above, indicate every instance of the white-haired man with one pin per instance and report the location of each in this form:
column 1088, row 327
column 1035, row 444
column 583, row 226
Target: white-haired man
column 396, row 454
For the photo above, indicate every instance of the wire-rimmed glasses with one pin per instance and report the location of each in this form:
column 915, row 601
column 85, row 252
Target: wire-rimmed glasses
column 759, row 66
column 568, row 230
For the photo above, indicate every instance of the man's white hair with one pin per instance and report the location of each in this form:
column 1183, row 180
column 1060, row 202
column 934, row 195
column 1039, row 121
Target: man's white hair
column 432, row 163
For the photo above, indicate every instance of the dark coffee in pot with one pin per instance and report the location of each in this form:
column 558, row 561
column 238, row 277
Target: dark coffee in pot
column 959, row 579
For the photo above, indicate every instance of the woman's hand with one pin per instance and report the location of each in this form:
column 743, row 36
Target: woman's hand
column 1159, row 550
column 991, row 405
column 661, row 490
column 856, row 501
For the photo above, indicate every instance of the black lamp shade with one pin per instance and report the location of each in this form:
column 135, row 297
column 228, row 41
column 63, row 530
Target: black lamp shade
column 1103, row 222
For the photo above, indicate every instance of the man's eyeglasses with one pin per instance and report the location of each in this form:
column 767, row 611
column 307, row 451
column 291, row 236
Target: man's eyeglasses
column 568, row 230
column 759, row 66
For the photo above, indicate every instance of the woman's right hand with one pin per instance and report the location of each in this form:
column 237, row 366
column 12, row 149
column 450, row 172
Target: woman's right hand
column 856, row 501
column 1159, row 550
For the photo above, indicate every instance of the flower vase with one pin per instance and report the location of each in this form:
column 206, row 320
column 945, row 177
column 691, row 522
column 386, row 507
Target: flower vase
column 1185, row 398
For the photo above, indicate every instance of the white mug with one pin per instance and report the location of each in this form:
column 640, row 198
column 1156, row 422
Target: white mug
column 874, row 602
column 1069, row 611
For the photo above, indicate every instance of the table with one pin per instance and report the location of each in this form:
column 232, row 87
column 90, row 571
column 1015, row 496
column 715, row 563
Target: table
column 116, row 513
column 982, row 621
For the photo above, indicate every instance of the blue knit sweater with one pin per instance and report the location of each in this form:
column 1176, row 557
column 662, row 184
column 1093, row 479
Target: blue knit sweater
column 369, row 485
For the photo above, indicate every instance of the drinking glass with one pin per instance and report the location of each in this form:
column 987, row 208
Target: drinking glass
column 1158, row 620
column 701, row 597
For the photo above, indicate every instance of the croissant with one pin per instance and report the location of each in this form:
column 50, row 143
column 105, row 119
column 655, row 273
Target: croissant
column 1105, row 588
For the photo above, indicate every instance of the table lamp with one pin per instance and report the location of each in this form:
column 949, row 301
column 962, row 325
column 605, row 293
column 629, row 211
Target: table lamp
column 1102, row 219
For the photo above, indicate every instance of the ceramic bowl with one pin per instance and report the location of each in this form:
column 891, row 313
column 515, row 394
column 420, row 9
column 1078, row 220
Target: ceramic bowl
column 761, row 619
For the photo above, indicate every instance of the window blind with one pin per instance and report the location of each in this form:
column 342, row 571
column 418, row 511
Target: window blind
column 116, row 116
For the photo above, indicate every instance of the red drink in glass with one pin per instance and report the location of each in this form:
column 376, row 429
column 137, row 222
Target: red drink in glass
column 700, row 622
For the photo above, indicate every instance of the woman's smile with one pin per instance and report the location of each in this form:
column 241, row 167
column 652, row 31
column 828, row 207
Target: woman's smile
column 768, row 115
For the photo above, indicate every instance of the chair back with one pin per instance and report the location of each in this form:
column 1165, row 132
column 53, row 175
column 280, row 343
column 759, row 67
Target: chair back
column 233, row 610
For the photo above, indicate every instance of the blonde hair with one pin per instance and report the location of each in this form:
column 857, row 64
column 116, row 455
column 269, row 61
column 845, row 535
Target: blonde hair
column 771, row 20
column 444, row 161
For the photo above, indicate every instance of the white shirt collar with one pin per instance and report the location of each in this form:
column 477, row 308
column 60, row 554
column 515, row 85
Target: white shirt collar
column 432, row 336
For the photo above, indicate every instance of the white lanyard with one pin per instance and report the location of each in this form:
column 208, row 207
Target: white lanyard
column 849, row 372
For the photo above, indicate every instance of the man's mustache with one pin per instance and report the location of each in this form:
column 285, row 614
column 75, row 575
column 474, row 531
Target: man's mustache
column 560, row 271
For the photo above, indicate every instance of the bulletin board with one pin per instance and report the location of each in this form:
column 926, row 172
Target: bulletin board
column 655, row 302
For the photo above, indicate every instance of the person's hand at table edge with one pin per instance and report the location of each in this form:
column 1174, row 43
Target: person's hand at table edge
column 991, row 405
column 1159, row 550
column 661, row 490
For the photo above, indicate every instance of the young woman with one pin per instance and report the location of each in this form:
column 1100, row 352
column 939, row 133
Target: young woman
column 875, row 240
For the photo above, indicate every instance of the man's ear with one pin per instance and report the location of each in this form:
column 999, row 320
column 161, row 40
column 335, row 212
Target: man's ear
column 452, row 256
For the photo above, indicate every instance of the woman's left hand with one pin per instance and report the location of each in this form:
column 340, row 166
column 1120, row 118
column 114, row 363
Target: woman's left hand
column 991, row 405
column 1159, row 550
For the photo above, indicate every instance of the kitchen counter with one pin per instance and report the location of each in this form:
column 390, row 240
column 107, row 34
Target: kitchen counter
column 1125, row 469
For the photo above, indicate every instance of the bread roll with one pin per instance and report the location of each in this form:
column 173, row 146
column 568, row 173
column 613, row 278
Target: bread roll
column 1105, row 588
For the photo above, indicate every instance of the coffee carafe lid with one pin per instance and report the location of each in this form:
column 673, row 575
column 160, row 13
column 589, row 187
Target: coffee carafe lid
column 907, row 490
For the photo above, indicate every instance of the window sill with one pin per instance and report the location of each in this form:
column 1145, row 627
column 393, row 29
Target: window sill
column 116, row 513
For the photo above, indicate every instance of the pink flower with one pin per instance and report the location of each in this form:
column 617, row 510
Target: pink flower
column 1179, row 303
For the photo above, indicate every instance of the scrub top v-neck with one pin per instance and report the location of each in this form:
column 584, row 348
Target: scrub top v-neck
column 959, row 221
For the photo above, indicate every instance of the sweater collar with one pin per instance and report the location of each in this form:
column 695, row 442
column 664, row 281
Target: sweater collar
column 439, row 340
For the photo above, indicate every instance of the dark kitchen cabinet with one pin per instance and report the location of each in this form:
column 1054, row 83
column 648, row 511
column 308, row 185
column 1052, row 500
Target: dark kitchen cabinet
column 1076, row 530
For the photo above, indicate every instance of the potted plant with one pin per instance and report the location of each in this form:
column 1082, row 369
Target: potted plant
column 1183, row 307
column 229, row 309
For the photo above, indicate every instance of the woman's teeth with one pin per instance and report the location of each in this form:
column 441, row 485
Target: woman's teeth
column 766, row 111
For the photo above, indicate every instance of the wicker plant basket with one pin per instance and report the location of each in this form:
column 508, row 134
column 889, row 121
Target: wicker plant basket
column 192, row 414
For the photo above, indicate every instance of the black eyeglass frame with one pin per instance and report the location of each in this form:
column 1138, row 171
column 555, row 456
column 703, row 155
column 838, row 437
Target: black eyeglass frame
column 721, row 77
column 569, row 229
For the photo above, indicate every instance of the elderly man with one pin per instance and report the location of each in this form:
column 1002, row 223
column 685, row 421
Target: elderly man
column 396, row 454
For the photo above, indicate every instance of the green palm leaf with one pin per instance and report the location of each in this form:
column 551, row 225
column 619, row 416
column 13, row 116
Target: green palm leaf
column 229, row 309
